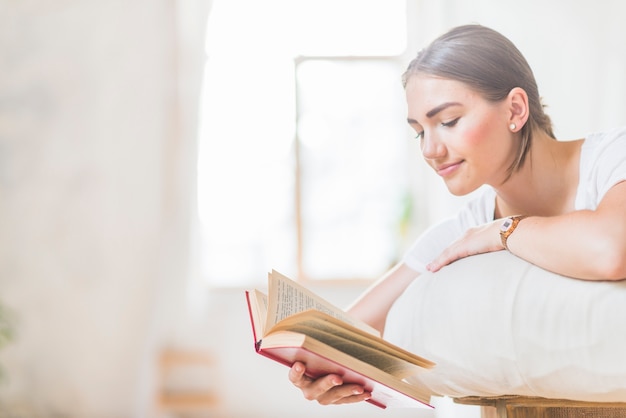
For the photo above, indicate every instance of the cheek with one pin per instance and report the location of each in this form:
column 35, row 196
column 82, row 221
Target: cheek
column 486, row 147
column 476, row 135
column 483, row 134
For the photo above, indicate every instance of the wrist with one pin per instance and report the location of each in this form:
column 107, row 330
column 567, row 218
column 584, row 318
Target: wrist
column 508, row 227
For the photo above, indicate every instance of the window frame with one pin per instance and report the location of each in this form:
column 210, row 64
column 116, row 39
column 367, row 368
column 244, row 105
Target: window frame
column 301, row 273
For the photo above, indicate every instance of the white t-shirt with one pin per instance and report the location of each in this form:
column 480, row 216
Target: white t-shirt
column 602, row 165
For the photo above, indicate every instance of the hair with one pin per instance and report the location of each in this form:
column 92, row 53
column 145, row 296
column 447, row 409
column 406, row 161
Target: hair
column 490, row 64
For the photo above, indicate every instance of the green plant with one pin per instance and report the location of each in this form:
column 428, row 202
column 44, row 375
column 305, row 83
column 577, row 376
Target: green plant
column 6, row 327
column 7, row 331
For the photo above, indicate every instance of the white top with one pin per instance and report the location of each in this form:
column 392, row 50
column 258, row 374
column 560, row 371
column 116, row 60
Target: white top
column 602, row 165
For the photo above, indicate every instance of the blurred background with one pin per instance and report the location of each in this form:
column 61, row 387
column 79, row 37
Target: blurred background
column 158, row 157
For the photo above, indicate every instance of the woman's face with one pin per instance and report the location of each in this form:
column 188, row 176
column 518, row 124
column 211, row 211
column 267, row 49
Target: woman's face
column 463, row 137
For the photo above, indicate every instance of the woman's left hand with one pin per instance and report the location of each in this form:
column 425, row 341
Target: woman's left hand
column 481, row 239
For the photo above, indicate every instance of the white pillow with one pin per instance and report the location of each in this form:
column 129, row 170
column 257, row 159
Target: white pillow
column 498, row 325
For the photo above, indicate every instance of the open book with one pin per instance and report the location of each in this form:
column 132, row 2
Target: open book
column 292, row 324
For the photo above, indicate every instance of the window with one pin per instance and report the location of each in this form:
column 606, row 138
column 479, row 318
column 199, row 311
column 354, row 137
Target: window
column 304, row 152
column 351, row 150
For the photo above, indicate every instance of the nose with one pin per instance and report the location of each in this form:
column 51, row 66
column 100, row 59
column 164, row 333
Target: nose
column 432, row 147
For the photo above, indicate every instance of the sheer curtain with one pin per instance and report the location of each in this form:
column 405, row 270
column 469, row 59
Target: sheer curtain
column 304, row 155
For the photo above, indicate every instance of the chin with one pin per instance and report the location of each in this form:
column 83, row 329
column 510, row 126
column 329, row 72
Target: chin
column 460, row 189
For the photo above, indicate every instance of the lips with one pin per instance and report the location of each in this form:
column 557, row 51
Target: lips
column 446, row 169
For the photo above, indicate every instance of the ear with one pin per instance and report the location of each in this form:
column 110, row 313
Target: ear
column 519, row 110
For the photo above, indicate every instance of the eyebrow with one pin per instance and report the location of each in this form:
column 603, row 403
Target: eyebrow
column 436, row 110
column 441, row 107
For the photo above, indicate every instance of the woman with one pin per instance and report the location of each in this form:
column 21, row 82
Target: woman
column 474, row 104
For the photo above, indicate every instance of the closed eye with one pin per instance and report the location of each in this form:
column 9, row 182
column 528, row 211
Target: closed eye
column 451, row 123
column 419, row 135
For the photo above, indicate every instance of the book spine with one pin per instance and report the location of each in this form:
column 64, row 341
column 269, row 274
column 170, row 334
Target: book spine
column 287, row 363
column 257, row 341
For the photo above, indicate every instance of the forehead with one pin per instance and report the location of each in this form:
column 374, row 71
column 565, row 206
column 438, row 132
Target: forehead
column 424, row 92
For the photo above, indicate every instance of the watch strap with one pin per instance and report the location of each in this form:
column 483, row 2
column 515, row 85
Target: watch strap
column 505, row 234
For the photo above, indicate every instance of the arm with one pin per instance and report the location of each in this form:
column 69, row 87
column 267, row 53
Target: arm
column 588, row 244
column 372, row 307
column 585, row 244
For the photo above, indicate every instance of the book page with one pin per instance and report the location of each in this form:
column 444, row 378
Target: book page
column 258, row 310
column 286, row 298
column 382, row 360
column 261, row 308
column 319, row 326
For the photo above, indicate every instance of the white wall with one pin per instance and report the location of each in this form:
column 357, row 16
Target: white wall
column 97, row 116
column 91, row 224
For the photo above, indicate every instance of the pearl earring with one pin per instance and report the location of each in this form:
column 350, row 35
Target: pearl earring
column 512, row 126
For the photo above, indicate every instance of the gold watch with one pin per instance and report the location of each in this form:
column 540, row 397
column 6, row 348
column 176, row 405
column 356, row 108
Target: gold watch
column 507, row 228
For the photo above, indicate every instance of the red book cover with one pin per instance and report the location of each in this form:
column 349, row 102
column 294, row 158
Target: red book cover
column 386, row 390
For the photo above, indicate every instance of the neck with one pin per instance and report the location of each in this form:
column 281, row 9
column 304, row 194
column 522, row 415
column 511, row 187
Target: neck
column 546, row 183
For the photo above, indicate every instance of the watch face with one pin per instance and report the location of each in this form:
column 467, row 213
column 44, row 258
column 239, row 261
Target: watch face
column 506, row 224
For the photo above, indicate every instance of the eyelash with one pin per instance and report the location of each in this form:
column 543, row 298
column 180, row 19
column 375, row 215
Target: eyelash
column 450, row 124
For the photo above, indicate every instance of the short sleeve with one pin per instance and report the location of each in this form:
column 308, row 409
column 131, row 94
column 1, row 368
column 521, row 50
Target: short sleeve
column 602, row 166
column 435, row 239
column 431, row 243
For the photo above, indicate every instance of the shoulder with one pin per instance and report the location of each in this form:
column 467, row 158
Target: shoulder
column 602, row 148
column 479, row 209
column 602, row 165
column 598, row 142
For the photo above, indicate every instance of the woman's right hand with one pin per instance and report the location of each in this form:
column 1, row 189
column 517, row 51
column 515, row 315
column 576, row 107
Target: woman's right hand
column 327, row 390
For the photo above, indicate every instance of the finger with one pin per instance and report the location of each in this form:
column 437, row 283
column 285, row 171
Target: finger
column 312, row 388
column 344, row 394
column 457, row 250
column 328, row 389
column 433, row 266
column 354, row 398
column 442, row 260
column 296, row 374
column 322, row 388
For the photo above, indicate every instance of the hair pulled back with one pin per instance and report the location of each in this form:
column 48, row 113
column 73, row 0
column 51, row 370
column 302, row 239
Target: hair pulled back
column 490, row 64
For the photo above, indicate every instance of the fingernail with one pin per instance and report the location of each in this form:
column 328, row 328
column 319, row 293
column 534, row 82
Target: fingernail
column 357, row 391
